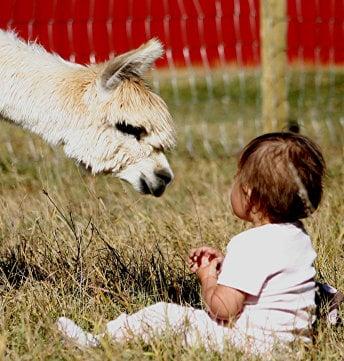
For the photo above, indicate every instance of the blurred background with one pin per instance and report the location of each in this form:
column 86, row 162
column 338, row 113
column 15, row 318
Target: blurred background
column 230, row 65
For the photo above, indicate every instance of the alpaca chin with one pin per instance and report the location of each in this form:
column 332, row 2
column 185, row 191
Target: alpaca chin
column 148, row 177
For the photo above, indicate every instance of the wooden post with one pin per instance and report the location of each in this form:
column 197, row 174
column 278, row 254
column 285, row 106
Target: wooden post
column 273, row 36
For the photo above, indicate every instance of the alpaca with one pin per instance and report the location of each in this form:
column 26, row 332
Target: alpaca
column 104, row 115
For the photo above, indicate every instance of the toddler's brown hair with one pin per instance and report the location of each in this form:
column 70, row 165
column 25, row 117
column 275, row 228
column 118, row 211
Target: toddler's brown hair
column 284, row 173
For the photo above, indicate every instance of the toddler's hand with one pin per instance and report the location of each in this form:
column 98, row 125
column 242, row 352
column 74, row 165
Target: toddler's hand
column 209, row 269
column 202, row 256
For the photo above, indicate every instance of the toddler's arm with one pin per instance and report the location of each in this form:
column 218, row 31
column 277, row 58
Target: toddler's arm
column 223, row 302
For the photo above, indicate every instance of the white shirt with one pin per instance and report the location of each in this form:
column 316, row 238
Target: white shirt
column 273, row 264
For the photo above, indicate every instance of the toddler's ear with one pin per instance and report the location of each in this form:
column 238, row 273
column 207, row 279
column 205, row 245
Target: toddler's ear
column 247, row 191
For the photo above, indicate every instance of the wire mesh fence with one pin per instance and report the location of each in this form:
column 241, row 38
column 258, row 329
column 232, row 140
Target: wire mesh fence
column 211, row 74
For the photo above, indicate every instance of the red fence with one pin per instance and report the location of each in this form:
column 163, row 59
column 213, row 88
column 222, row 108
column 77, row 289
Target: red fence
column 193, row 31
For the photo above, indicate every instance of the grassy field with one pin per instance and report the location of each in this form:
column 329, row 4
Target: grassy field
column 90, row 248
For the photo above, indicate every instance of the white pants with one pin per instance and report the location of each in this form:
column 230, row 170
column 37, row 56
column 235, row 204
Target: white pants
column 195, row 326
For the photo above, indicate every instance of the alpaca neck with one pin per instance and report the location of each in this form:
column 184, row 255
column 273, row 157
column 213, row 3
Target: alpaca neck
column 38, row 89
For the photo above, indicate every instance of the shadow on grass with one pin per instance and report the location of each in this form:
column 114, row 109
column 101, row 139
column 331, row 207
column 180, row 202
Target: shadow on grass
column 150, row 273
column 16, row 267
column 124, row 274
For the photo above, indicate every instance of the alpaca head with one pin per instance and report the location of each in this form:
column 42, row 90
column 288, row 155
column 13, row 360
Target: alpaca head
column 129, row 127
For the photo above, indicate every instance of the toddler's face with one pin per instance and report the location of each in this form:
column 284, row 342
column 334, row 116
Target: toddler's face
column 239, row 202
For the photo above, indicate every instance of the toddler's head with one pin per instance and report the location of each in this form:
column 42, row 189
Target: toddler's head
column 279, row 177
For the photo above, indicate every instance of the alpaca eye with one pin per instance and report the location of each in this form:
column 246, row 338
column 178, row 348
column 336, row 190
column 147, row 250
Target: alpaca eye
column 137, row 132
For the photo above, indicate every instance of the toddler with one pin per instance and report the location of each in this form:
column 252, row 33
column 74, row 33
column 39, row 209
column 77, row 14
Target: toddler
column 262, row 291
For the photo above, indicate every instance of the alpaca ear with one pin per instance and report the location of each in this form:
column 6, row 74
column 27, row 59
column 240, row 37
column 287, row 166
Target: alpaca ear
column 133, row 63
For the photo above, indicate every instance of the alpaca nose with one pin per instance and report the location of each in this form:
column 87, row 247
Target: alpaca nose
column 164, row 175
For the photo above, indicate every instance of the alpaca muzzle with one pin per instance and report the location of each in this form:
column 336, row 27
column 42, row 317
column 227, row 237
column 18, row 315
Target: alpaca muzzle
column 157, row 187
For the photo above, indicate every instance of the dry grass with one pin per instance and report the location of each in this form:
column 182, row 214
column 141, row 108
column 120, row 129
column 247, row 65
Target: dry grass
column 89, row 247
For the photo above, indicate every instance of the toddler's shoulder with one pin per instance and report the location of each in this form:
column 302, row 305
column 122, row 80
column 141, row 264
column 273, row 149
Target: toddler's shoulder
column 269, row 235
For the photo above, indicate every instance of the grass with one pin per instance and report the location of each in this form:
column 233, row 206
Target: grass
column 90, row 248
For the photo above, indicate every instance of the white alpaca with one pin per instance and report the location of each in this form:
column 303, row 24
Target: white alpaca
column 104, row 115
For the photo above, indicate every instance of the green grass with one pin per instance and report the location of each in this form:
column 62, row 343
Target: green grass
column 90, row 248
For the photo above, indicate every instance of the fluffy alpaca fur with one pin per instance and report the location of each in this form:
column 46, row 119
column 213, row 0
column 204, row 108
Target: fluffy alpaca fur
column 104, row 115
